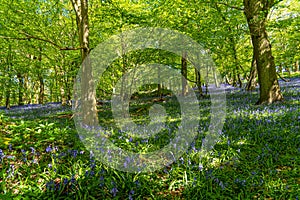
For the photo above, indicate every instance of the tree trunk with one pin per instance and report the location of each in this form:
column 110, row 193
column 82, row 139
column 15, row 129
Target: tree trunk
column 20, row 89
column 41, row 80
column 8, row 81
column 7, row 100
column 297, row 66
column 256, row 12
column 252, row 83
column 159, row 93
column 198, row 81
column 184, row 74
column 88, row 91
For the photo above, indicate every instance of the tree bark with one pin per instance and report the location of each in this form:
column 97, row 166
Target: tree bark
column 41, row 80
column 252, row 83
column 184, row 74
column 88, row 90
column 20, row 89
column 256, row 12
column 198, row 81
column 297, row 66
column 8, row 78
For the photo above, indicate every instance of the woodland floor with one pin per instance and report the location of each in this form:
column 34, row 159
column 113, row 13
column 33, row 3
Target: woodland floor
column 258, row 156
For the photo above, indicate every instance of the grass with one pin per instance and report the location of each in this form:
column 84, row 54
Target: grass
column 291, row 75
column 258, row 156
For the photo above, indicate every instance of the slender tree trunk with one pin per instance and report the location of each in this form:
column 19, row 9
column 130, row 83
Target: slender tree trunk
column 256, row 12
column 27, row 88
column 252, row 83
column 297, row 66
column 234, row 81
column 217, row 84
column 227, row 80
column 56, row 83
column 42, row 90
column 198, row 81
column 7, row 100
column 159, row 93
column 88, row 90
column 8, row 78
column 63, row 95
column 20, row 89
column 184, row 74
column 41, row 80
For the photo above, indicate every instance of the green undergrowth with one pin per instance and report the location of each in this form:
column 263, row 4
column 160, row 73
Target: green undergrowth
column 257, row 157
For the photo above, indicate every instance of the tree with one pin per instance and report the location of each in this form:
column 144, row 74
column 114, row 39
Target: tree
column 88, row 91
column 256, row 12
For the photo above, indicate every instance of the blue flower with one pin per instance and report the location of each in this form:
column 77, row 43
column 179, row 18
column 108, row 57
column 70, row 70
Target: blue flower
column 10, row 171
column 50, row 185
column 32, row 150
column 74, row 153
column 130, row 194
column 10, row 157
column 221, row 185
column 65, row 181
column 48, row 149
column 73, row 179
column 114, row 191
column 137, row 183
column 182, row 160
column 1, row 155
column 93, row 165
column 86, row 173
column 200, row 167
column 92, row 154
column 92, row 173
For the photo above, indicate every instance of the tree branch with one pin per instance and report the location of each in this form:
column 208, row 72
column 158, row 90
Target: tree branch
column 71, row 48
column 13, row 38
column 41, row 39
column 28, row 37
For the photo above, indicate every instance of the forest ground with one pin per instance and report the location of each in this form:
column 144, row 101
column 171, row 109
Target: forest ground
column 258, row 156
